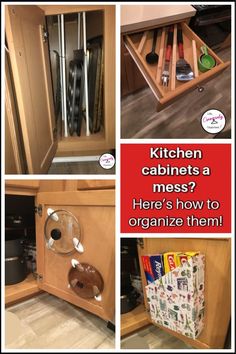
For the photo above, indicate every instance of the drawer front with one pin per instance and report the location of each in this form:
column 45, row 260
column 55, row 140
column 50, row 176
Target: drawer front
column 140, row 44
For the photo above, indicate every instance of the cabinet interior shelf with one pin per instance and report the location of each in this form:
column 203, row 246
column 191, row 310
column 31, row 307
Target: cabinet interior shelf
column 23, row 290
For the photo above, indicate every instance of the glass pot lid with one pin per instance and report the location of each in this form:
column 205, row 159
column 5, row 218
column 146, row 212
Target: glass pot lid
column 85, row 280
column 61, row 229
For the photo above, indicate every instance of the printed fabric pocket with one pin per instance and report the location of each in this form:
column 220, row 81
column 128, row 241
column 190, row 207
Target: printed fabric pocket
column 176, row 300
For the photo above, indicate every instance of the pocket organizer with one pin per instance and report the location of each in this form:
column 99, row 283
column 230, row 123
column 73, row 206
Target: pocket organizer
column 176, row 300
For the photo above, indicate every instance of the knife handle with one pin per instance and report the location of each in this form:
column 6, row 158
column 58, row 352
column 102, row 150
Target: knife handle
column 169, row 43
column 180, row 42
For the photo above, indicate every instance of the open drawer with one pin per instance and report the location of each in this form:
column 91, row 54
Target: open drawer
column 140, row 44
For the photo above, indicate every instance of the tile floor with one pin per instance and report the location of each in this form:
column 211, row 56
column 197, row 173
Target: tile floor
column 152, row 337
column 79, row 168
column 48, row 322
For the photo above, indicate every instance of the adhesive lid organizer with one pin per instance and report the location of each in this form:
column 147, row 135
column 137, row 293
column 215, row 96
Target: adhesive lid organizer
column 85, row 280
column 61, row 229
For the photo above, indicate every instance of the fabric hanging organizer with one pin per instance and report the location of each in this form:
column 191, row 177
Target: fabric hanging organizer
column 176, row 300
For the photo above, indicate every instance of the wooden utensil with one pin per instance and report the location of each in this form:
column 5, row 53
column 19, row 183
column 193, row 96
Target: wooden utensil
column 195, row 66
column 161, row 56
column 174, row 57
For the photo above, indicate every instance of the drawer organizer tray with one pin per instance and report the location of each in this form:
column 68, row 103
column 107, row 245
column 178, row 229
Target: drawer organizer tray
column 140, row 44
column 176, row 300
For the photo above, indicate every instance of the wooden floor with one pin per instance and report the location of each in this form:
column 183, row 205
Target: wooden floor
column 51, row 323
column 152, row 337
column 79, row 168
column 181, row 119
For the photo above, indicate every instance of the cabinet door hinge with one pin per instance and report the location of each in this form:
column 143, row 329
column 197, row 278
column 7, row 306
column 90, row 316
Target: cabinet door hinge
column 38, row 209
column 45, row 34
column 140, row 242
column 38, row 277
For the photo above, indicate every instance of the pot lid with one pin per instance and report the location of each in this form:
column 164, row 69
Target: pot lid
column 85, row 280
column 60, row 229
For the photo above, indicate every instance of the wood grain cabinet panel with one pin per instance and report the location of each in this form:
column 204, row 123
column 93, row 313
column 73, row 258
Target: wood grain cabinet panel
column 21, row 187
column 95, row 212
column 95, row 184
column 131, row 78
column 30, row 64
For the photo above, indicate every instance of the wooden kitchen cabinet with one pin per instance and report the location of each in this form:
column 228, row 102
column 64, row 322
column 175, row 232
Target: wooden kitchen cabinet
column 22, row 187
column 31, row 187
column 131, row 78
column 21, row 291
column 133, row 321
column 94, row 213
column 96, row 184
column 30, row 63
column 217, row 253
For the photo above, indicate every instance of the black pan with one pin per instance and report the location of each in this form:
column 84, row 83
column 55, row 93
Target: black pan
column 15, row 270
column 14, row 247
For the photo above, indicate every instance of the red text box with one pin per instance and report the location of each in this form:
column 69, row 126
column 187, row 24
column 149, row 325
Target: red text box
column 175, row 188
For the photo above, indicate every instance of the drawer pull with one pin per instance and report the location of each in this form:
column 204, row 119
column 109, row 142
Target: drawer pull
column 200, row 88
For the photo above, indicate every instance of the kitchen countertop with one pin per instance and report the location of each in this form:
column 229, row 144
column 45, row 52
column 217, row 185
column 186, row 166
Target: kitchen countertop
column 135, row 17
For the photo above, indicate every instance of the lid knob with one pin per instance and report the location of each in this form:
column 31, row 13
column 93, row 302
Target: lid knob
column 56, row 234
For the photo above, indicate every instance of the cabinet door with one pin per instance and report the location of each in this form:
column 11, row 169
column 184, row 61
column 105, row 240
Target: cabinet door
column 90, row 217
column 217, row 284
column 29, row 58
column 14, row 160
